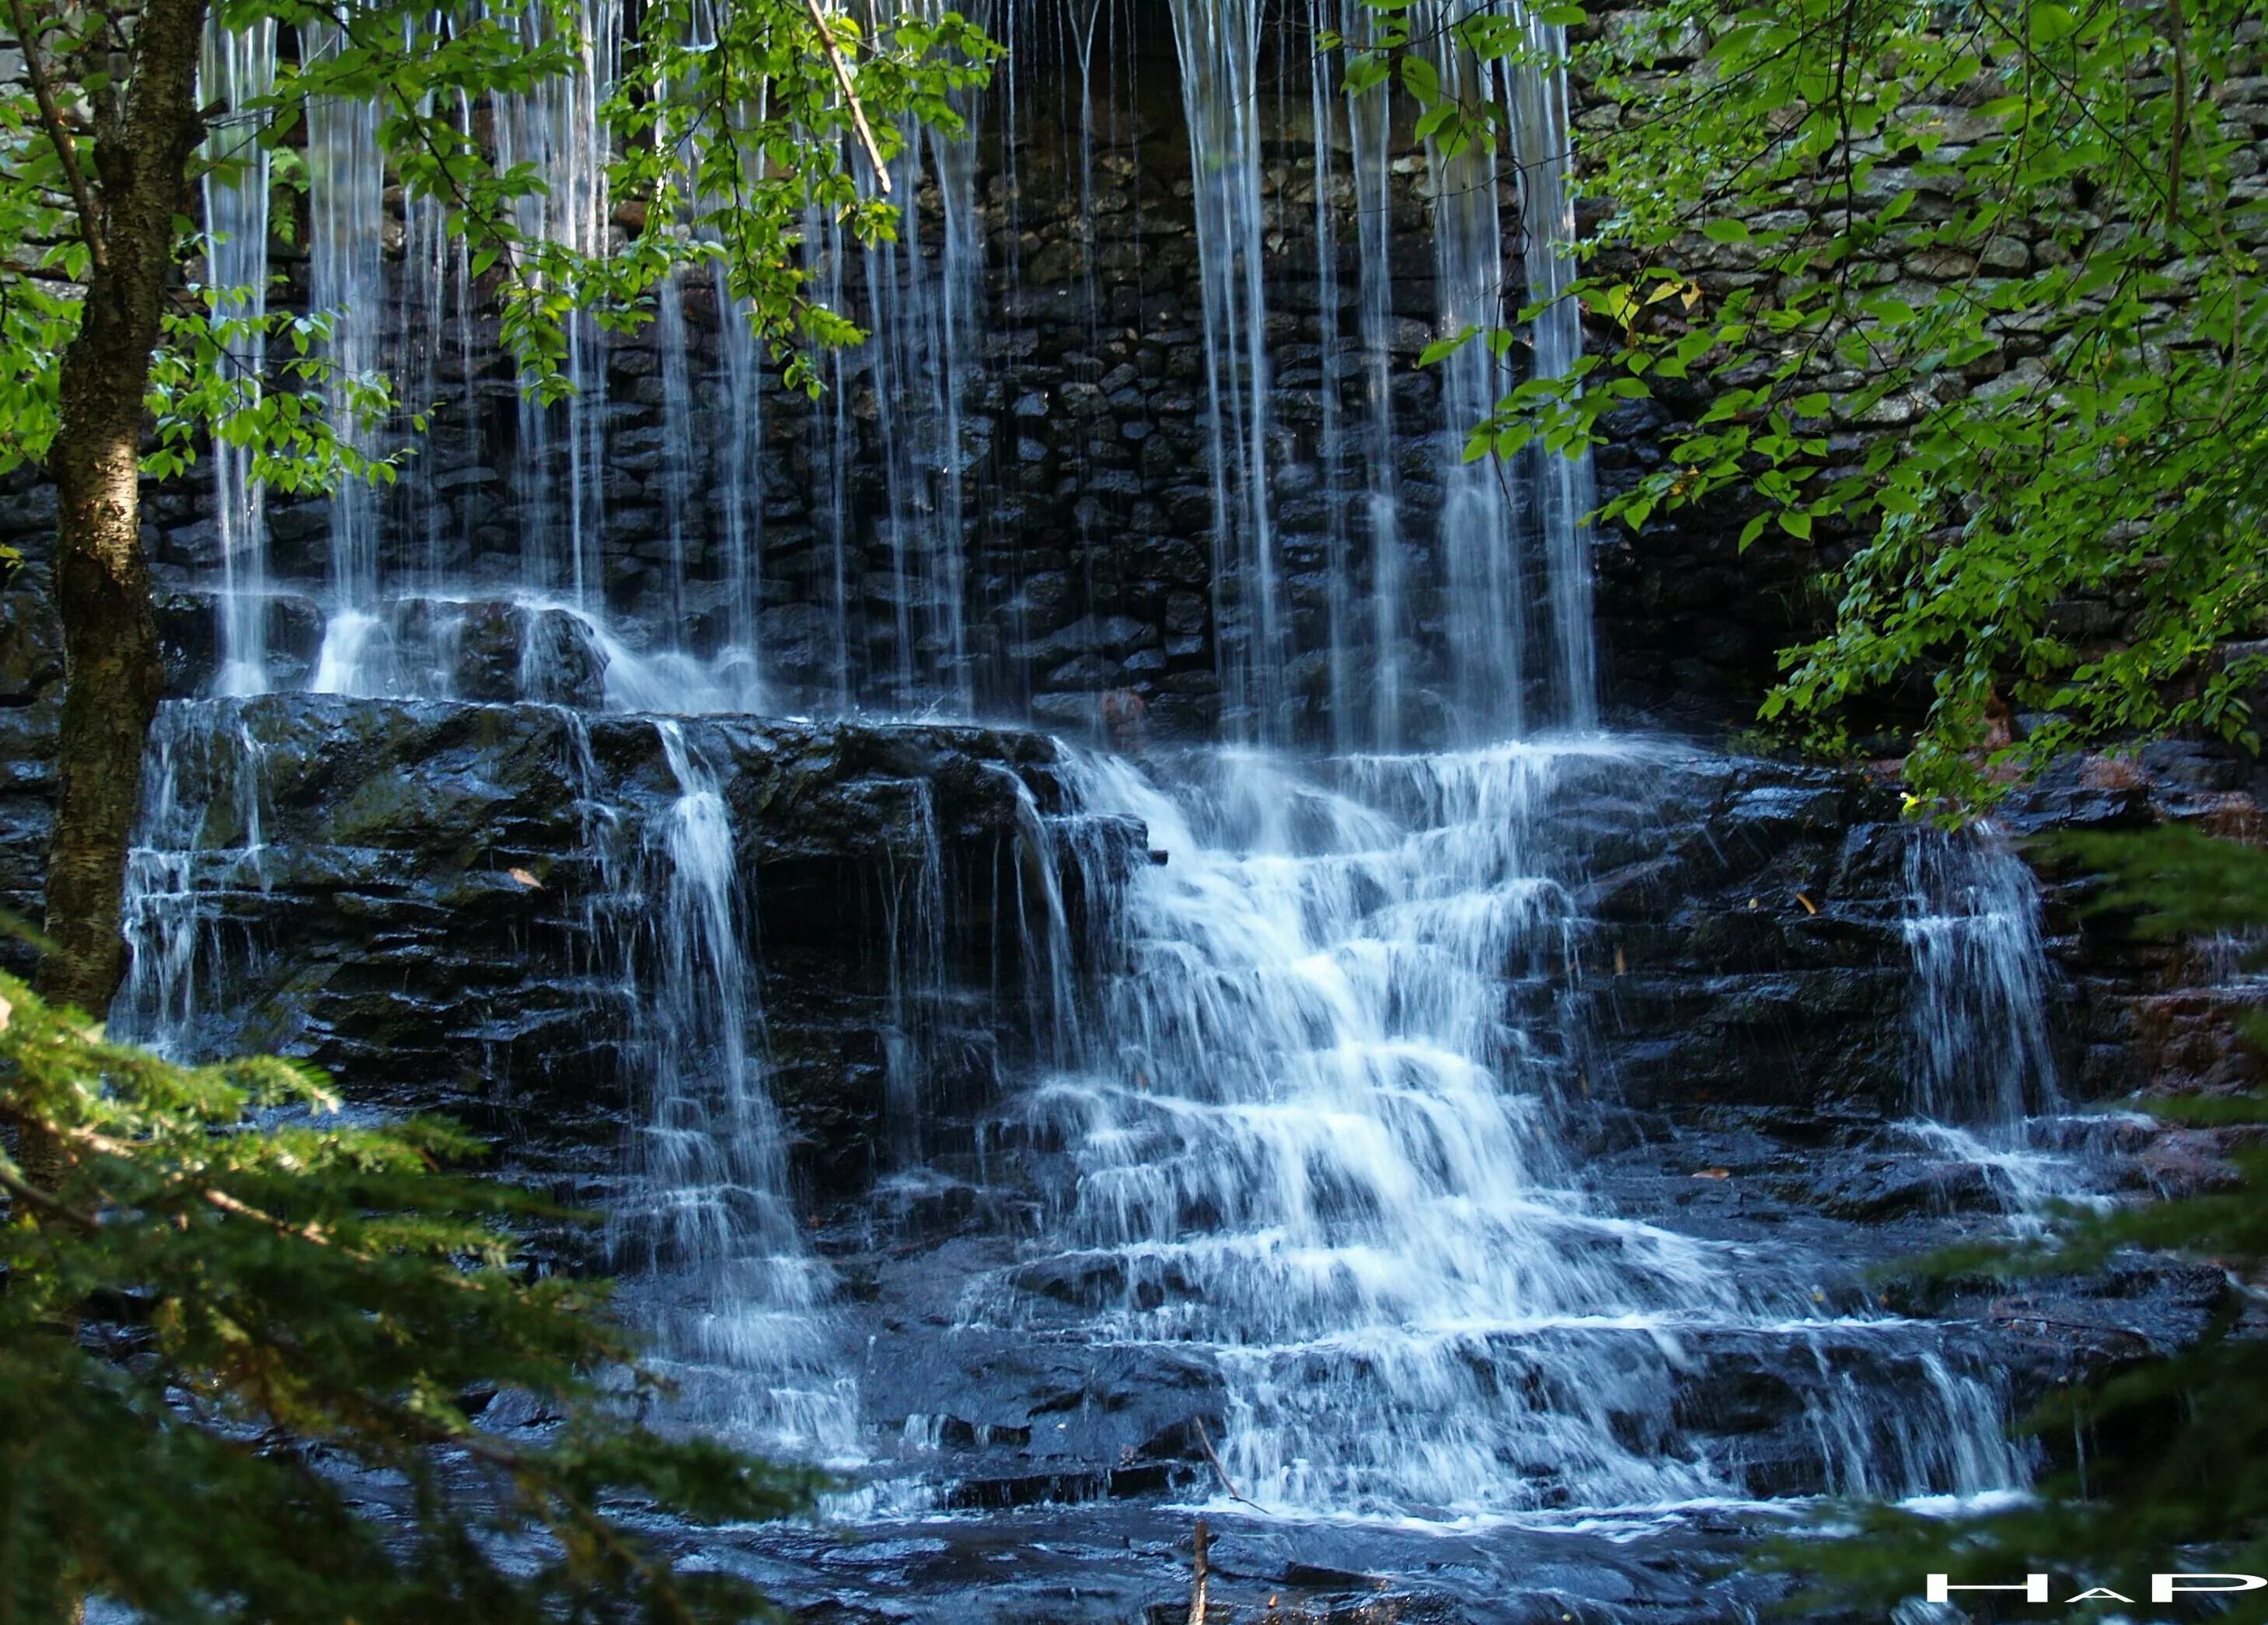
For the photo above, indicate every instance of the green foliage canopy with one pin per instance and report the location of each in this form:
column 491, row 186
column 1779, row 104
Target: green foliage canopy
column 1975, row 287
column 729, row 130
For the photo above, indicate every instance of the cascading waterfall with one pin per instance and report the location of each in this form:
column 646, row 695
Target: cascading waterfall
column 1313, row 1130
column 1985, row 1089
column 732, row 1287
column 1311, row 1143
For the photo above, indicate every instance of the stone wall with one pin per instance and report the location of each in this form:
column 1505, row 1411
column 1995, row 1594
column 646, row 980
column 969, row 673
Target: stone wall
column 1087, row 497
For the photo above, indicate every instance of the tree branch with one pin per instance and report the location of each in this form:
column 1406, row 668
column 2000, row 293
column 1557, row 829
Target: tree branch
column 59, row 136
column 850, row 94
column 31, row 1196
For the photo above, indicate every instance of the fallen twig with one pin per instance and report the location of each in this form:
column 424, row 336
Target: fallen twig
column 1206, row 1439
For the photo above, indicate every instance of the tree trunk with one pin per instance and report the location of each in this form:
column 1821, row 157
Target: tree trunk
column 112, row 672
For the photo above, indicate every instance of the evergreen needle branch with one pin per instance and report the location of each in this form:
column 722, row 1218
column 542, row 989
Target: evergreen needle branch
column 30, row 1195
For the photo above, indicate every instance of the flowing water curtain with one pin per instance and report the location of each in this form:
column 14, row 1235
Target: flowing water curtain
column 1313, row 1144
column 1565, row 484
column 1981, row 1055
column 238, row 69
column 830, row 450
column 1485, row 579
column 721, row 1267
column 1371, row 157
column 1219, row 44
column 349, row 282
column 446, row 489
column 1516, row 647
column 1333, row 440
column 560, row 470
column 737, row 500
column 926, row 304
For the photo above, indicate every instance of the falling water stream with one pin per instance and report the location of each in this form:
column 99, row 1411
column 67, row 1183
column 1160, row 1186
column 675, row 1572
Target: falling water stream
column 1985, row 1082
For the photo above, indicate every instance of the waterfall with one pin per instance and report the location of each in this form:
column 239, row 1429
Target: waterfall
column 734, row 1290
column 1310, row 1141
column 1370, row 132
column 1313, row 1124
column 925, row 350
column 1517, row 558
column 1981, row 1055
column 347, row 276
column 197, row 848
column 1565, row 487
column 1219, row 46
column 239, row 67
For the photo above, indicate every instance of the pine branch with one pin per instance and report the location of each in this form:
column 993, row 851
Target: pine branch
column 30, row 1195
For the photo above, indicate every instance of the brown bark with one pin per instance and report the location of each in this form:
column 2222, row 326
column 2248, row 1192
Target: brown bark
column 112, row 672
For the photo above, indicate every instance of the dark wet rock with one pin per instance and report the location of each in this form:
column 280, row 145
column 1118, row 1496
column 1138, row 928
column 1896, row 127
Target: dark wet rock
column 506, row 652
column 1881, row 1190
column 189, row 636
column 426, row 915
column 31, row 647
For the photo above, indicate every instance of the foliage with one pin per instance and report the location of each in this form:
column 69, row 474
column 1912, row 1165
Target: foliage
column 235, row 1323
column 1972, row 289
column 2173, row 1475
column 727, row 127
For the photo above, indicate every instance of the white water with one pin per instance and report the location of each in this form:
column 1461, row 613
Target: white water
column 1312, row 1141
column 1986, row 1085
column 734, row 1291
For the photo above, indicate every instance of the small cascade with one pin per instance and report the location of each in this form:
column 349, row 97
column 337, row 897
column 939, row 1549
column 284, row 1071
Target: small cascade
column 1314, row 1137
column 198, row 846
column 1985, row 1089
column 1982, row 1051
column 734, row 1292
column 238, row 68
